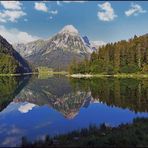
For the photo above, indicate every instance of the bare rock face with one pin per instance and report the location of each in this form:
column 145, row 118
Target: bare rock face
column 57, row 52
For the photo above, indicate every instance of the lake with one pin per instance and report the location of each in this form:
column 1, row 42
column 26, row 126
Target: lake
column 38, row 106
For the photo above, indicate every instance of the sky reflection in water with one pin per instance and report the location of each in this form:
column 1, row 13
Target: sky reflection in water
column 57, row 106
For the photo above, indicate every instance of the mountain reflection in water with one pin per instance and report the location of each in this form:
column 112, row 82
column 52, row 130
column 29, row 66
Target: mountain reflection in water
column 58, row 105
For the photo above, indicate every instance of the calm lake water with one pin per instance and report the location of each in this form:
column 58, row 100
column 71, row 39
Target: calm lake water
column 37, row 106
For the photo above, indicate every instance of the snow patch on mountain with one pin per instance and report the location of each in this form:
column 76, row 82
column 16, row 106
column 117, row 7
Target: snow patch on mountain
column 69, row 29
column 59, row 50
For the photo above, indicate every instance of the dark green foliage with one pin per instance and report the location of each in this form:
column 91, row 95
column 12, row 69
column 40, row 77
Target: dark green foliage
column 145, row 68
column 122, row 57
column 9, row 88
column 125, row 135
column 8, row 64
column 129, row 68
column 125, row 93
column 10, row 61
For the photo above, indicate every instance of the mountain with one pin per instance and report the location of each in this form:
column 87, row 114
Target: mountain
column 30, row 48
column 56, row 93
column 92, row 45
column 57, row 52
column 10, row 60
column 88, row 45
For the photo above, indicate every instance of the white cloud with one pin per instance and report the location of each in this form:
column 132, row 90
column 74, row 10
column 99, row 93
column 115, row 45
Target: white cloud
column 134, row 10
column 12, row 11
column 11, row 15
column 107, row 13
column 26, row 108
column 74, row 1
column 13, row 5
column 16, row 36
column 54, row 12
column 41, row 6
column 59, row 3
column 98, row 43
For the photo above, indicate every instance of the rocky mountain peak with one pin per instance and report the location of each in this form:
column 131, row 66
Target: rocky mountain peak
column 59, row 51
column 69, row 29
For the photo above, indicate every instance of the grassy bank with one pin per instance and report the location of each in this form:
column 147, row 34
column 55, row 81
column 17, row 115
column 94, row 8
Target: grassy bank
column 125, row 135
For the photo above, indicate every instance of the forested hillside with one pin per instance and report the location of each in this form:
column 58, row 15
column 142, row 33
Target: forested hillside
column 120, row 57
column 10, row 61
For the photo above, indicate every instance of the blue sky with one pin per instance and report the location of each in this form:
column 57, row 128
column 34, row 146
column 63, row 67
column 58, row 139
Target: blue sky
column 107, row 21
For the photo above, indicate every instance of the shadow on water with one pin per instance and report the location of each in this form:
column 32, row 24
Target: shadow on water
column 10, row 87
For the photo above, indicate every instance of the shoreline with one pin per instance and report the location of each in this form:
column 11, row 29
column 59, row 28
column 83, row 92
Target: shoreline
column 35, row 73
column 18, row 74
column 79, row 76
column 106, row 75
